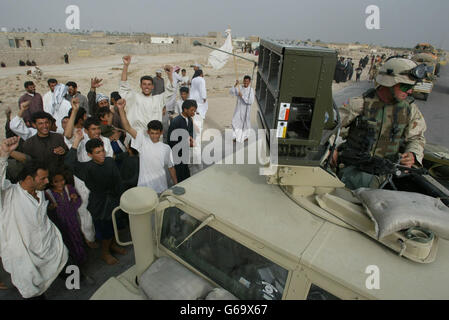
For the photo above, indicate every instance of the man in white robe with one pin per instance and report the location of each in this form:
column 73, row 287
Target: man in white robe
column 241, row 121
column 60, row 106
column 31, row 246
column 48, row 97
column 142, row 107
column 198, row 93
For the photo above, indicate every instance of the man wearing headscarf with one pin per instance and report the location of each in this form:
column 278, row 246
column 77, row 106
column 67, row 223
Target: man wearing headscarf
column 158, row 83
column 95, row 101
column 60, row 106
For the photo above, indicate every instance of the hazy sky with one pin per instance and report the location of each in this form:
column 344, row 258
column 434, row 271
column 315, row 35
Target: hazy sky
column 402, row 22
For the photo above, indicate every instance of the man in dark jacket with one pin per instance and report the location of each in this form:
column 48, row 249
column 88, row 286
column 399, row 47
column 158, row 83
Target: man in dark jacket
column 36, row 103
column 180, row 141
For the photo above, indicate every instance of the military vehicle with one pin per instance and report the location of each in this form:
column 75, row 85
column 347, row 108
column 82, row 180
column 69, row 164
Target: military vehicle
column 424, row 88
column 289, row 231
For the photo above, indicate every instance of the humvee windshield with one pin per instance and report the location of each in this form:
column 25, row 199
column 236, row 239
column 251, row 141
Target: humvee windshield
column 236, row 268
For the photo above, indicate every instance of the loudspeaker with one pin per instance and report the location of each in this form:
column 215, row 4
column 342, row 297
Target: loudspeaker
column 294, row 93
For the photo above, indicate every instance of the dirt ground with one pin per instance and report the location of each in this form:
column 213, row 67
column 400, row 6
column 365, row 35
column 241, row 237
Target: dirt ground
column 81, row 70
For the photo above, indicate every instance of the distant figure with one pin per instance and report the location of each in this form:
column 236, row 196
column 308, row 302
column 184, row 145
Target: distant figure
column 358, row 73
column 33, row 63
column 22, row 63
column 66, row 58
column 28, row 63
column 3, row 65
column 158, row 83
column 340, row 71
column 349, row 69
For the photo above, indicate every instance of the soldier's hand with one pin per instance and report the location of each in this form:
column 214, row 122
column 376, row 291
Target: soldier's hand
column 95, row 83
column 126, row 60
column 236, row 83
column 407, row 159
column 25, row 105
column 8, row 145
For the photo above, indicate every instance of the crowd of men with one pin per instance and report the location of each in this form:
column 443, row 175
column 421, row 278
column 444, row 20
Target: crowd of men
column 67, row 158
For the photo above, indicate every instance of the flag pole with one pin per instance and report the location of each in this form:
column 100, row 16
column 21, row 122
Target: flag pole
column 235, row 63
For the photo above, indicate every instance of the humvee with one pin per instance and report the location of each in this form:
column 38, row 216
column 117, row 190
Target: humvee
column 291, row 232
column 424, row 88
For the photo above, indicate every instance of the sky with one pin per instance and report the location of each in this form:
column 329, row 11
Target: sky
column 402, row 23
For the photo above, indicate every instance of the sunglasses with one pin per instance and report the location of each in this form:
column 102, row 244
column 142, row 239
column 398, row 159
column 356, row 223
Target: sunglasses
column 404, row 87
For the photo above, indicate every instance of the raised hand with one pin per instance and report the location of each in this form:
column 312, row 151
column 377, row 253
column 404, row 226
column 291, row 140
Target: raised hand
column 75, row 104
column 8, row 145
column 121, row 104
column 126, row 60
column 25, row 105
column 168, row 68
column 95, row 83
column 236, row 83
column 79, row 135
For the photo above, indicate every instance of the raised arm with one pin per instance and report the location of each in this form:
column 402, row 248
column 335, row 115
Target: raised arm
column 170, row 88
column 6, row 148
column 18, row 126
column 92, row 95
column 121, row 104
column 68, row 132
column 126, row 63
column 71, row 158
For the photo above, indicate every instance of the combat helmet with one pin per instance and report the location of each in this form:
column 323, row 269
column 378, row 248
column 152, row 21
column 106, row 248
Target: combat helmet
column 400, row 70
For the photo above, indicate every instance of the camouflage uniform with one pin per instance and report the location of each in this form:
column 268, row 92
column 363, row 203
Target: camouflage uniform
column 397, row 124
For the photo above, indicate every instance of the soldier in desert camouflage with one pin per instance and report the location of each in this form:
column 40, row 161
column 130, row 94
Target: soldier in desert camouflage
column 385, row 120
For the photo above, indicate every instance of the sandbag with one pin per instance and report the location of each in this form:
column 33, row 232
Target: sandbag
column 393, row 211
column 220, row 294
column 167, row 279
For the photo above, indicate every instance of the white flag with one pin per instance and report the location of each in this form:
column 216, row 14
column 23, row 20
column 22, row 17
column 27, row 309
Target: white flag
column 218, row 59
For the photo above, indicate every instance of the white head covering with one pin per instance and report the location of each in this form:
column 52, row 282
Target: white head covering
column 100, row 97
column 159, row 71
column 58, row 96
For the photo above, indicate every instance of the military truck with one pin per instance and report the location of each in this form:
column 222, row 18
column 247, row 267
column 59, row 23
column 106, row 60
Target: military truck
column 424, row 88
column 288, row 230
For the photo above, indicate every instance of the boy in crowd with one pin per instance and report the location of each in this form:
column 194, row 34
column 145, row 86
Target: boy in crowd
column 154, row 155
column 102, row 177
column 183, row 122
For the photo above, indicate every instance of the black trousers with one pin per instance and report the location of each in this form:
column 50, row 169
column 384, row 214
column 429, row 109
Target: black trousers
column 182, row 171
